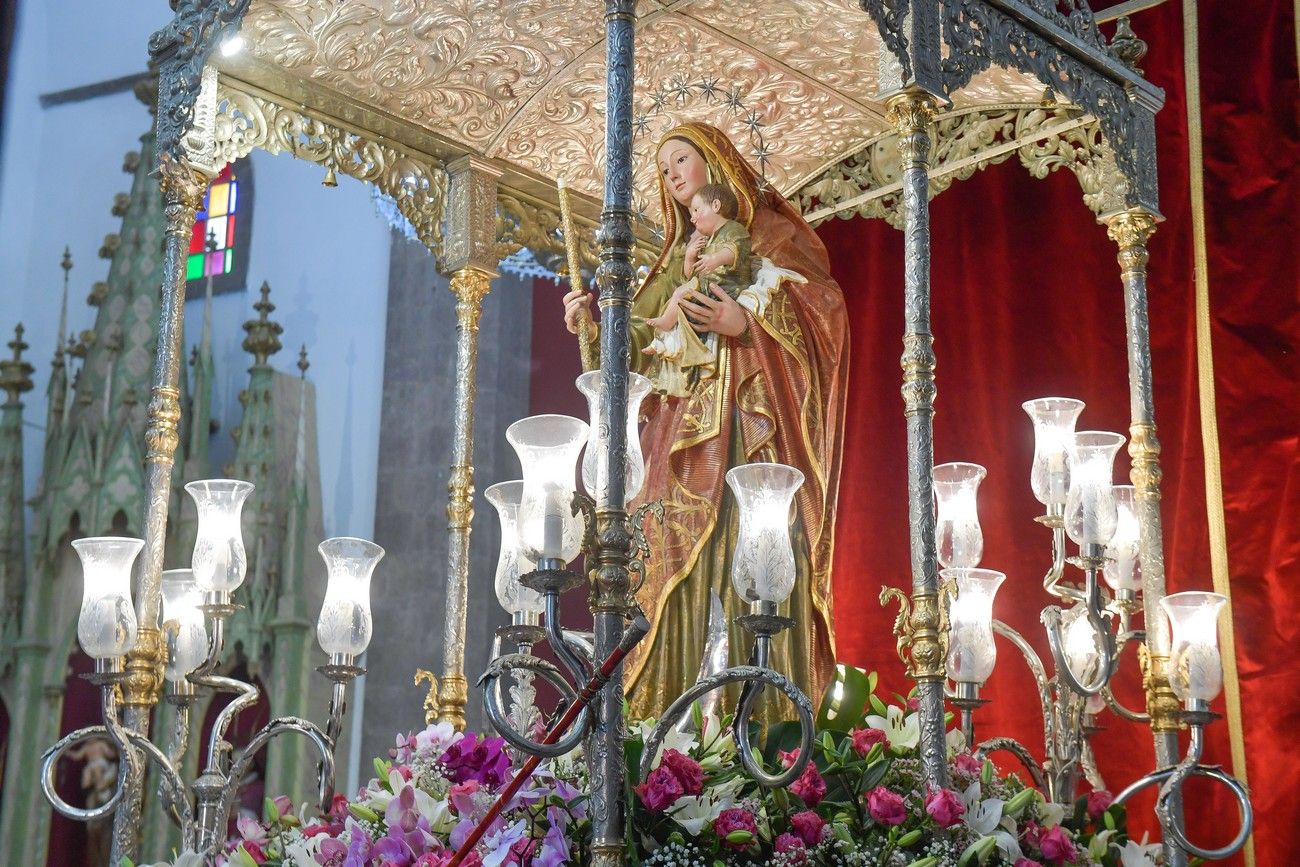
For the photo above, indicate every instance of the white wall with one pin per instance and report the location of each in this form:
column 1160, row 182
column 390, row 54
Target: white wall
column 324, row 251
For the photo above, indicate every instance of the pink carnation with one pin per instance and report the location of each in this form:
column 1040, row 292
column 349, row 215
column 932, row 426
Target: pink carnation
column 660, row 790
column 788, row 757
column 1098, row 802
column 809, row 826
column 865, row 739
column 1056, row 845
column 886, row 807
column 735, row 819
column 810, row 787
column 945, row 807
column 792, row 847
column 687, row 771
column 965, row 763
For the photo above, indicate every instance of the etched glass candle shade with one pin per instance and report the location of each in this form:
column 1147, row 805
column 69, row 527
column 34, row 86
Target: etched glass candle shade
column 971, row 651
column 1090, row 512
column 187, row 646
column 106, row 626
column 1080, row 643
column 345, row 624
column 592, row 385
column 762, row 567
column 548, row 447
column 1054, row 419
column 957, row 532
column 219, row 561
column 522, row 602
column 1121, row 570
column 1195, row 669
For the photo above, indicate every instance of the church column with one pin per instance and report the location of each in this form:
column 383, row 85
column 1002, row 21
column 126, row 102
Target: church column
column 470, row 257
column 1131, row 230
column 612, row 595
column 912, row 112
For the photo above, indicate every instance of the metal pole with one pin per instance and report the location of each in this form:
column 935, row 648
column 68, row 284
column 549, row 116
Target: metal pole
column 912, row 113
column 611, row 597
column 470, row 286
column 183, row 187
column 1131, row 230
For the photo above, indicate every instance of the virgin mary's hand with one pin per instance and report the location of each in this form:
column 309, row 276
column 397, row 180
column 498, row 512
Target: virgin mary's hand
column 719, row 314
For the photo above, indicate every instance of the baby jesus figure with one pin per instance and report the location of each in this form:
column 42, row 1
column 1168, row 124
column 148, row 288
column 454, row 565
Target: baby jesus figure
column 719, row 254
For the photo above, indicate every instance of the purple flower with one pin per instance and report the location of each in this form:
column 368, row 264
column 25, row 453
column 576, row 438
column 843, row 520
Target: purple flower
column 735, row 819
column 359, row 847
column 886, row 807
column 1098, row 803
column 251, row 830
column 472, row 758
column 945, row 807
column 687, row 771
column 331, row 853
column 1056, row 845
column 660, row 790
column 810, row 787
column 865, row 739
column 809, row 826
column 555, row 846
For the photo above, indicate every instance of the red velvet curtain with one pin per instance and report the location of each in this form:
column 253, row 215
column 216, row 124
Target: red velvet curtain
column 1027, row 303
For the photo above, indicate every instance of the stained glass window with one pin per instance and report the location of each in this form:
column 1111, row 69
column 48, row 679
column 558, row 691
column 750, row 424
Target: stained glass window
column 215, row 222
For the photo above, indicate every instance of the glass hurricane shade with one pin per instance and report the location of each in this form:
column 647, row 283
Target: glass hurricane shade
column 1195, row 669
column 1054, row 419
column 971, row 651
column 106, row 626
column 219, row 561
column 957, row 534
column 762, row 567
column 592, row 385
column 1121, row 570
column 345, row 624
column 1080, row 645
column 548, row 447
column 1090, row 512
column 187, row 647
column 513, row 596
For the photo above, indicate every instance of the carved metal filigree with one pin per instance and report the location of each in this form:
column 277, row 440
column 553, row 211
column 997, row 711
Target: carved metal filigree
column 181, row 50
column 1044, row 137
column 1063, row 50
column 416, row 183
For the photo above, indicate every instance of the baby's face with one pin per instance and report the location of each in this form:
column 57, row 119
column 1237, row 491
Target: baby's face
column 706, row 215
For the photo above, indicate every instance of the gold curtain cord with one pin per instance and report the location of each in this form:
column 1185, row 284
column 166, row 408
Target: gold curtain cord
column 1205, row 384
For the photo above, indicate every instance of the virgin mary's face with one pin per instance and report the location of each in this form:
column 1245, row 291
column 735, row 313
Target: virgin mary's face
column 683, row 169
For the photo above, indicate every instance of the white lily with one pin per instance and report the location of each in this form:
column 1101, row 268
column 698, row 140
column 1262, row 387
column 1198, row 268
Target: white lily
column 187, row 858
column 1050, row 814
column 1008, row 845
column 956, row 742
column 982, row 816
column 681, row 741
column 903, row 730
column 694, row 812
column 436, row 810
column 1142, row 854
column 1098, row 845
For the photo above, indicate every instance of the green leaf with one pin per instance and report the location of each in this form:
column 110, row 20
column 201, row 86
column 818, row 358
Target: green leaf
column 875, row 753
column 740, row 836
column 697, row 717
column 874, row 775
column 125, row 862
column 270, row 812
column 878, row 707
column 846, row 696
column 241, row 858
column 782, row 736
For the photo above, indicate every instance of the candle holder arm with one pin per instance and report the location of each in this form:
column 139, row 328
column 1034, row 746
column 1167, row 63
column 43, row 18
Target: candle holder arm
column 490, row 682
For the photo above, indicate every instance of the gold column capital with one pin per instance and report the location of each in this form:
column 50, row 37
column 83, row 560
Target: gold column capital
column 1144, row 454
column 143, row 681
column 911, row 110
column 1131, row 230
column 182, row 184
column 470, row 286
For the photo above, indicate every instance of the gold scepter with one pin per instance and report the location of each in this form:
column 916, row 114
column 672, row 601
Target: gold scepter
column 586, row 347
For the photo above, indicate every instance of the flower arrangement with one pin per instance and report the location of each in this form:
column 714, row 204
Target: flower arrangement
column 862, row 800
